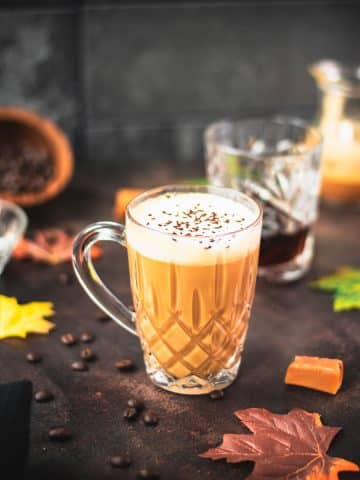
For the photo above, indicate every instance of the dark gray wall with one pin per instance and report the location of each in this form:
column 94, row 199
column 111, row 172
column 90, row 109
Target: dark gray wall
column 134, row 83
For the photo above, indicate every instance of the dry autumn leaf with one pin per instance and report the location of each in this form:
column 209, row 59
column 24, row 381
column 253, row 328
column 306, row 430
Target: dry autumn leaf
column 291, row 446
column 19, row 320
column 51, row 246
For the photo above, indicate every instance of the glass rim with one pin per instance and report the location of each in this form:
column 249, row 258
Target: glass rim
column 342, row 78
column 154, row 192
column 18, row 212
column 281, row 120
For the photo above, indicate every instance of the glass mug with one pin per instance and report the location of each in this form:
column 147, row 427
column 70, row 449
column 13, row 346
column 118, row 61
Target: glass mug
column 193, row 257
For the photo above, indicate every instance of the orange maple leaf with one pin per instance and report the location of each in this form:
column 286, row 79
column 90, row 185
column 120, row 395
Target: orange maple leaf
column 51, row 246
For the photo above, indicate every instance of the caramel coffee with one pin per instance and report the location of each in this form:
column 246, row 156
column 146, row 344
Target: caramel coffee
column 193, row 272
column 193, row 254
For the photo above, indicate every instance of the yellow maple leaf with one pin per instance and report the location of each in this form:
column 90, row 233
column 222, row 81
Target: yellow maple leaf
column 19, row 320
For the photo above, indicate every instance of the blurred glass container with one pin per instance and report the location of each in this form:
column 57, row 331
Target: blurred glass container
column 13, row 223
column 278, row 162
column 338, row 119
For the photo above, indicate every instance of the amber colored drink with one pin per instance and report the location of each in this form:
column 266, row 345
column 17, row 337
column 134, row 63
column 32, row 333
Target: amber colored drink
column 193, row 319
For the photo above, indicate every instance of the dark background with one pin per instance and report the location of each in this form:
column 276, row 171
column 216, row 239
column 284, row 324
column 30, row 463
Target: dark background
column 135, row 82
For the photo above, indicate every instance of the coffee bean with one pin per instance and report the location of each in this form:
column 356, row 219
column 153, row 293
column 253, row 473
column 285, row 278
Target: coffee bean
column 135, row 403
column 120, row 461
column 87, row 354
column 130, row 413
column 87, row 337
column 79, row 366
column 151, row 419
column 103, row 318
column 60, row 434
column 43, row 396
column 65, row 278
column 148, row 473
column 33, row 357
column 125, row 365
column 68, row 339
column 216, row 395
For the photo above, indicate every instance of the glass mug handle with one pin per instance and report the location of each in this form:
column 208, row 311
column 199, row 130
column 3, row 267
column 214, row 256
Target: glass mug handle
column 89, row 278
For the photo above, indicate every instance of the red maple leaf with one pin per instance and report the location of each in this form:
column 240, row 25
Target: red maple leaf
column 291, row 446
column 51, row 245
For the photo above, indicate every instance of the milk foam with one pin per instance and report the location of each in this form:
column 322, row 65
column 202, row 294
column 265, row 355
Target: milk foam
column 192, row 228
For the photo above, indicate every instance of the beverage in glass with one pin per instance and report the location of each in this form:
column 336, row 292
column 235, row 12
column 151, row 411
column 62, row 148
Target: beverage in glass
column 193, row 255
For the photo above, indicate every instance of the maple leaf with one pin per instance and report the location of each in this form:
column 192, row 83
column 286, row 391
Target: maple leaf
column 19, row 320
column 291, row 446
column 51, row 245
column 345, row 283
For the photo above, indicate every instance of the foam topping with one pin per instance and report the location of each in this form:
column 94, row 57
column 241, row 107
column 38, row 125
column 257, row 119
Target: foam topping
column 195, row 223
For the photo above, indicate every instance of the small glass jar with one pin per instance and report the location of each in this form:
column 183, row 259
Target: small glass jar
column 338, row 119
column 277, row 161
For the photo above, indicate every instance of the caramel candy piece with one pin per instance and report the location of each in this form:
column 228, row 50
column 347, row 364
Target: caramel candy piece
column 122, row 198
column 324, row 374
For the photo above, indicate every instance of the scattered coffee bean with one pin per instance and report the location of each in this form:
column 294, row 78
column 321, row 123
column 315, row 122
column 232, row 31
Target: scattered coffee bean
column 79, row 366
column 151, row 419
column 43, row 396
column 216, row 395
column 120, row 461
column 68, row 339
column 103, row 318
column 130, row 413
column 60, row 434
column 87, row 337
column 125, row 365
column 87, row 354
column 65, row 278
column 148, row 474
column 135, row 403
column 33, row 357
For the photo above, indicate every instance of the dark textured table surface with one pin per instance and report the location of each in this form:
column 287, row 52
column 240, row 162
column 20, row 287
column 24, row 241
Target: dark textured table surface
column 286, row 320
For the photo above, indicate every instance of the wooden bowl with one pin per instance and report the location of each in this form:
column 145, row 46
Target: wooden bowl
column 18, row 126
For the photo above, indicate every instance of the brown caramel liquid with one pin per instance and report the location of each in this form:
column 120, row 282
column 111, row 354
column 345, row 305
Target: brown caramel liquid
column 192, row 318
column 282, row 247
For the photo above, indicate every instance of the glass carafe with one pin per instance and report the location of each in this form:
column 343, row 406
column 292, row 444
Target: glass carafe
column 339, row 122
